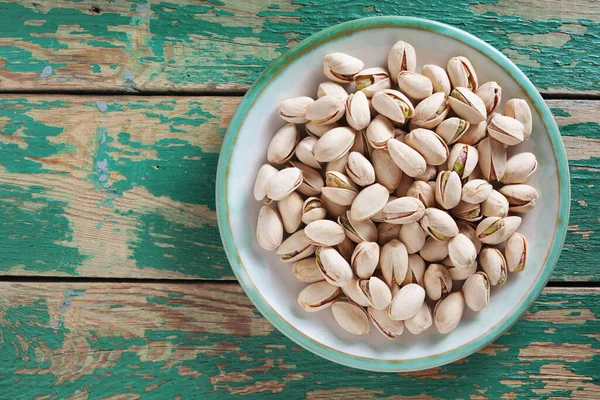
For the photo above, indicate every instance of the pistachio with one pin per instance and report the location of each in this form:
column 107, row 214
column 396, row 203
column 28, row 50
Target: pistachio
column 448, row 189
column 431, row 111
column 506, row 130
column 476, row 291
column 438, row 77
column 429, row 174
column 339, row 188
column 354, row 293
column 334, row 210
column 448, row 312
column 351, row 317
column 462, row 73
column 476, row 191
column 340, row 67
column 516, row 252
column 403, row 210
column 361, row 144
column 462, row 251
column 305, row 152
column 422, row 191
column 326, row 110
column 324, row 232
column 384, row 324
column 467, row 211
column 317, row 296
column 334, row 144
column 312, row 182
column 401, row 57
column 439, row 224
column 467, row 105
column 452, row 129
column 494, row 265
column 415, row 86
column 360, row 170
column 332, row 89
column 269, row 228
column 307, row 270
column 281, row 148
column 319, row 130
column 379, row 131
column 519, row 168
column 469, row 231
column 492, row 158
column 295, row 248
column 460, row 274
column 519, row 110
column 358, row 114
column 346, row 248
column 495, row 230
column 405, row 183
column 283, row 183
column 387, row 173
column 369, row 202
column 413, row 237
column 333, row 266
column 495, row 205
column 434, row 250
column 372, row 80
column 294, row 110
column 313, row 210
column 474, row 134
column 265, row 173
column 406, row 158
column 491, row 94
column 290, row 209
column 387, row 232
column 437, row 281
column 421, row 321
column 476, row 174
column 463, row 159
column 432, row 147
column 365, row 259
column 521, row 198
column 358, row 231
column 376, row 291
column 416, row 270
column 393, row 105
column 378, row 217
column 338, row 165
column 407, row 302
column 393, row 261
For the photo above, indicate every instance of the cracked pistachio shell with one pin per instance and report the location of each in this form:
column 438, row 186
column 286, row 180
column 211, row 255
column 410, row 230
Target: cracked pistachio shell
column 360, row 170
column 476, row 174
column 282, row 145
column 346, row 248
column 406, row 158
column 307, row 271
column 495, row 230
column 491, row 94
column 338, row 165
column 429, row 174
column 516, row 252
column 393, row 262
column 476, row 191
column 452, row 129
column 384, row 324
column 265, row 173
column 294, row 110
column 317, row 296
column 407, row 302
column 339, row 188
column 312, row 181
column 469, row 231
column 463, row 159
column 401, row 57
column 474, row 134
column 506, row 130
column 319, row 130
column 492, row 159
column 365, row 259
column 415, row 86
column 387, row 232
column 334, row 210
column 351, row 317
column 405, row 183
column 432, row 147
column 416, row 270
column 369, row 202
column 352, row 291
column 460, row 274
column 269, row 228
column 295, row 248
column 393, row 105
column 434, row 250
column 519, row 110
column 494, row 265
column 376, row 291
column 326, row 110
column 413, row 237
column 422, row 191
column 358, row 114
column 448, row 312
column 387, row 172
column 324, row 232
column 519, row 168
column 335, row 269
column 340, row 67
column 358, row 231
column 379, row 216
column 439, row 224
column 334, row 144
column 283, row 183
column 467, row 105
column 495, row 205
column 403, row 210
column 361, row 144
column 332, row 89
column 467, row 211
column 421, row 321
column 462, row 73
column 305, row 152
column 476, row 291
column 448, row 189
column 462, row 251
column 437, row 281
column 379, row 131
column 521, row 198
column 431, row 111
column 290, row 209
column 372, row 80
column 438, row 77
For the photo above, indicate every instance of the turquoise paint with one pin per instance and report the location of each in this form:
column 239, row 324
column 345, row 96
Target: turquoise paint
column 559, row 112
column 102, row 44
column 96, row 68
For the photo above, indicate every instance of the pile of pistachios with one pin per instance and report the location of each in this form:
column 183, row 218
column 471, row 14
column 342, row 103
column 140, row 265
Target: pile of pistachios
column 399, row 197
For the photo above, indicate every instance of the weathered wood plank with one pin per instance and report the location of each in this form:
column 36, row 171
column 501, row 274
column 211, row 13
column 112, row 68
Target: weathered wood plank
column 224, row 45
column 124, row 186
column 69, row 339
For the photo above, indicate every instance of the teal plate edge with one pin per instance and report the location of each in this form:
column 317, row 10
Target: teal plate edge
column 223, row 170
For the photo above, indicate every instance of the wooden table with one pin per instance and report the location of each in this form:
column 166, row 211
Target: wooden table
column 114, row 282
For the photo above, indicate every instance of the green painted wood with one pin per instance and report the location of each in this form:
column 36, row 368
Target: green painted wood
column 123, row 187
column 183, row 341
column 224, row 45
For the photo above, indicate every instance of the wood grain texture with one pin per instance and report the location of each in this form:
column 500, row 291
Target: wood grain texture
column 162, row 46
column 163, row 341
column 123, row 187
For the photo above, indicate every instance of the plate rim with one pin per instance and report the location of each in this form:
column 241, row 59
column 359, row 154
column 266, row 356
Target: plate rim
column 230, row 138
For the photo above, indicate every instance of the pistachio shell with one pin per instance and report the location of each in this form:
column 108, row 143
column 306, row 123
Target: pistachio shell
column 467, row 211
column 304, row 152
column 494, row 265
column 387, row 232
column 403, row 210
column 334, row 144
column 338, row 165
column 422, row 191
column 434, row 250
column 469, row 231
column 307, row 270
column 519, row 110
column 439, row 224
column 448, row 189
column 438, row 77
column 346, row 248
column 294, row 110
column 351, row 317
column 340, row 189
column 506, row 130
column 405, row 183
column 334, row 210
column 265, row 173
column 521, row 198
column 340, row 67
column 295, row 248
column 319, row 130
column 312, row 182
column 372, row 80
column 317, row 296
column 407, row 302
column 384, row 324
column 448, row 312
column 393, row 105
column 492, row 158
column 361, row 144
column 379, row 131
column 413, row 237
column 415, row 86
column 429, row 174
column 421, row 321
column 462, row 251
column 393, row 261
column 476, row 291
column 401, row 57
column 406, row 158
column 376, row 291
column 358, row 114
column 326, row 110
column 495, row 205
column 491, row 94
column 495, row 230
column 324, row 232
column 467, row 105
column 269, row 228
column 437, row 281
column 452, row 129
column 313, row 210
column 474, row 134
column 431, row 111
column 360, row 170
column 460, row 274
column 476, row 191
column 387, row 172
column 516, row 252
column 416, row 270
column 333, row 266
column 462, row 73
column 369, row 202
column 353, row 292
column 290, row 209
column 281, row 148
column 463, row 159
column 519, row 168
column 358, row 231
column 365, row 259
column 283, row 183
column 332, row 89
column 432, row 147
